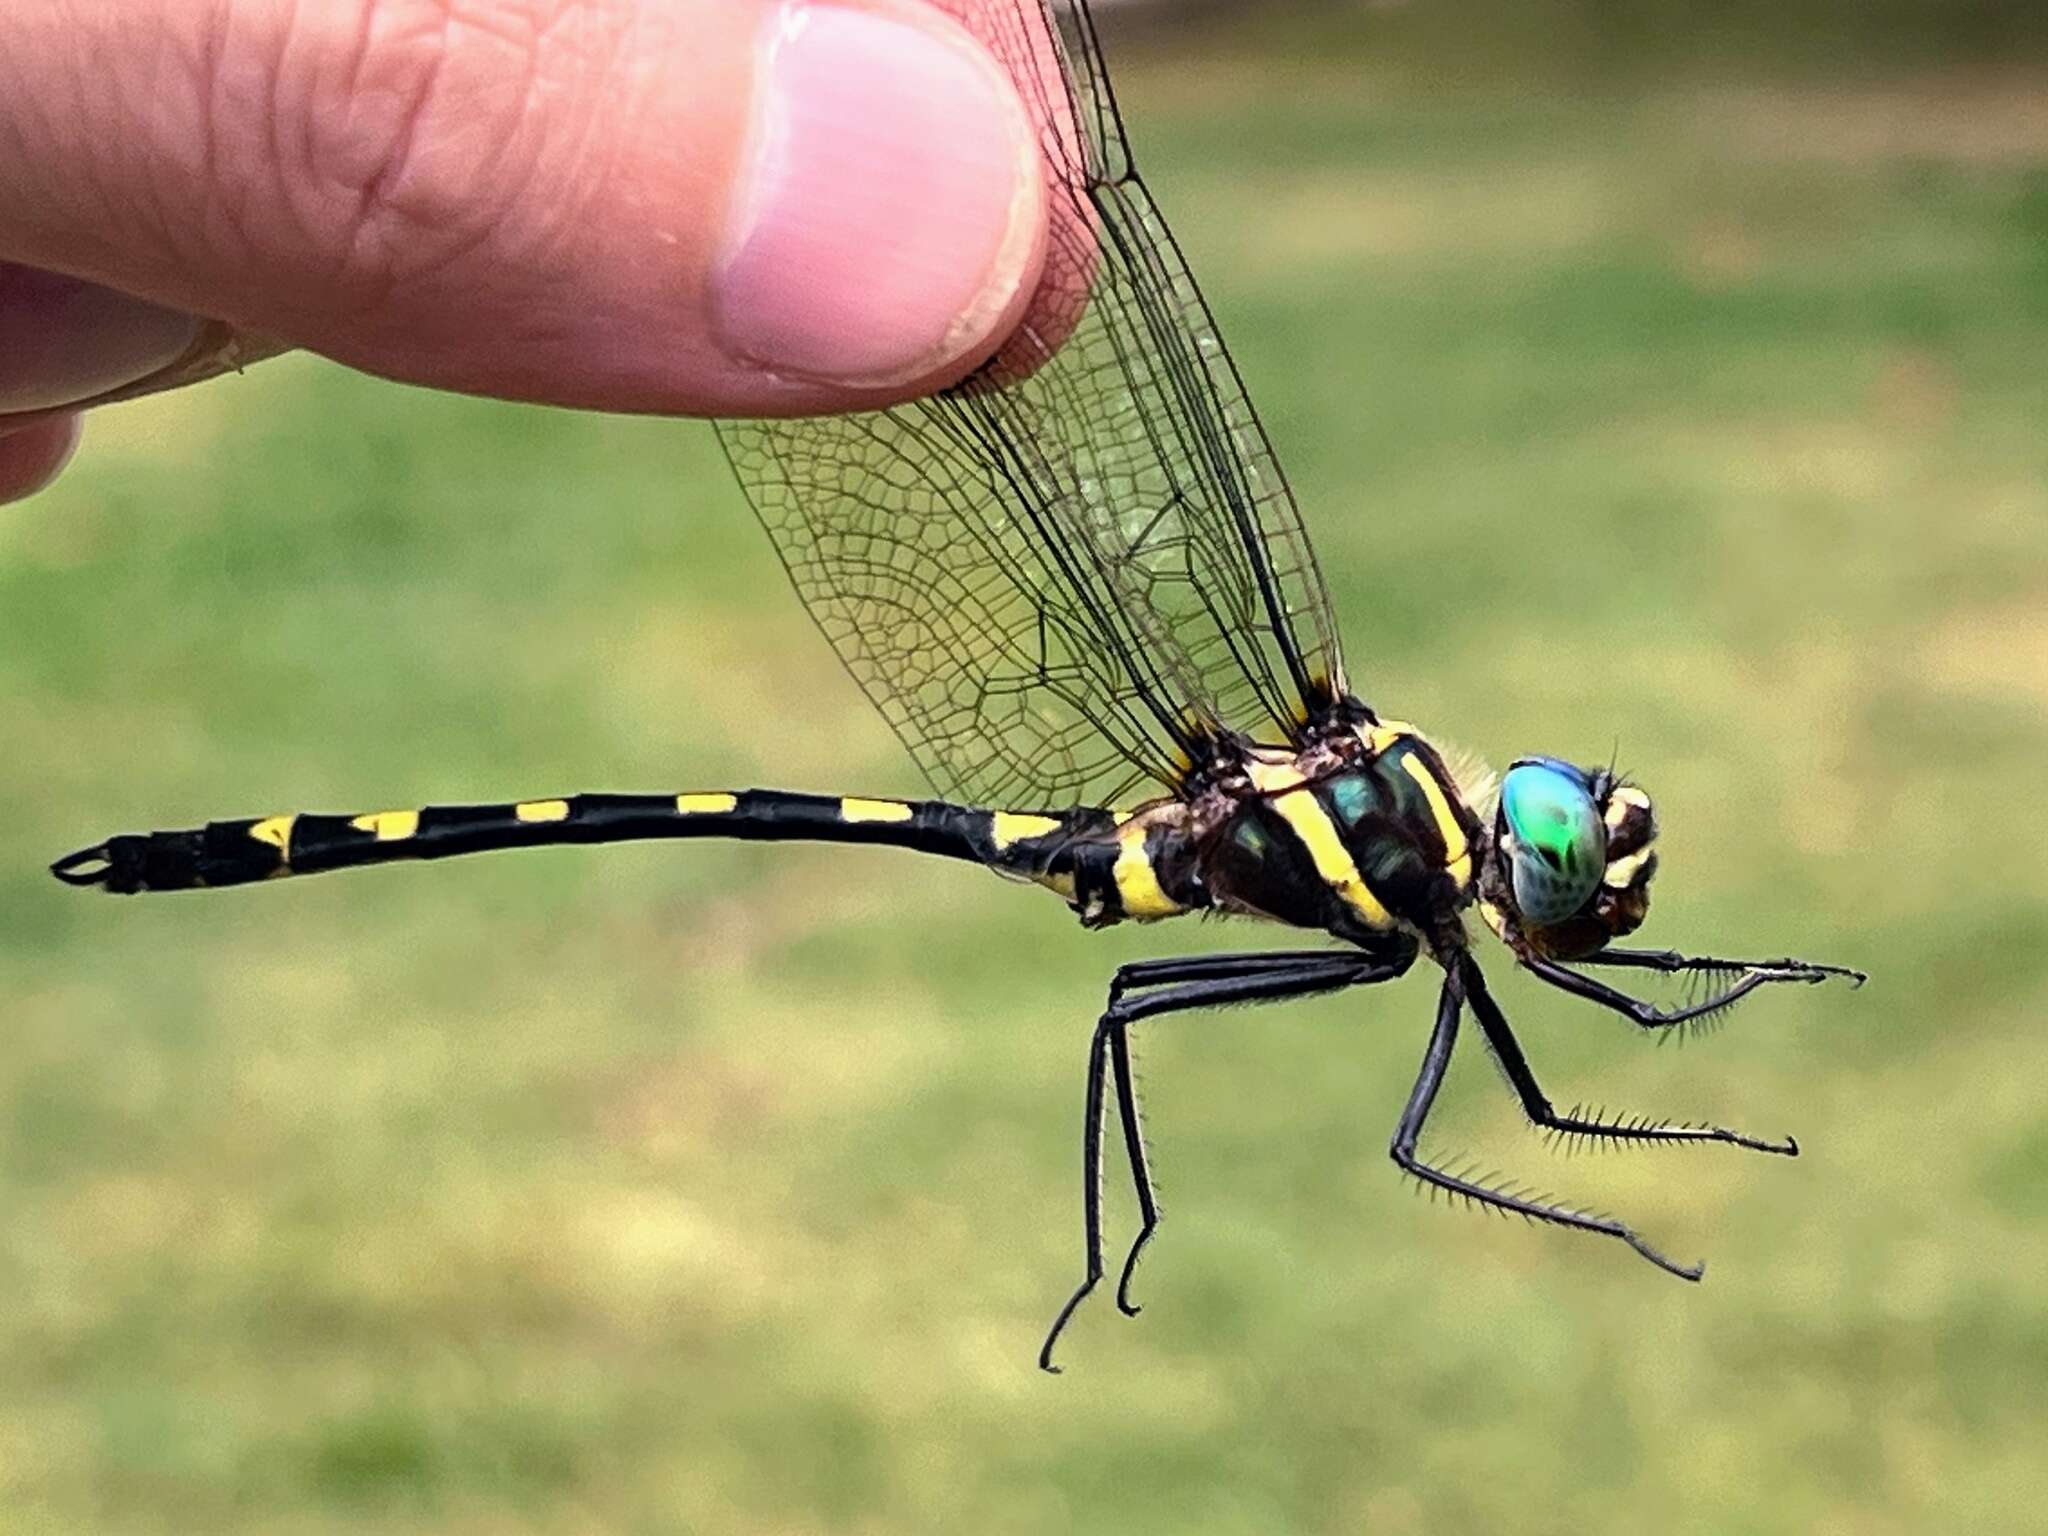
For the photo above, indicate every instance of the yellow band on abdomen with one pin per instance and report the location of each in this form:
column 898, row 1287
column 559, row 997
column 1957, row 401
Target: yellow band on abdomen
column 710, row 804
column 389, row 826
column 1137, row 882
column 873, row 810
column 1007, row 827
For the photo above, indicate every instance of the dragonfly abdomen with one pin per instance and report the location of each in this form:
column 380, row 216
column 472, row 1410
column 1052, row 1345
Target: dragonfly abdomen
column 1039, row 846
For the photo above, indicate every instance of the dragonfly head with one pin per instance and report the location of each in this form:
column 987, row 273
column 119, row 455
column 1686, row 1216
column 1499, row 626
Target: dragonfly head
column 1571, row 858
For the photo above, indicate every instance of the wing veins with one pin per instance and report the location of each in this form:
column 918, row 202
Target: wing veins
column 1063, row 574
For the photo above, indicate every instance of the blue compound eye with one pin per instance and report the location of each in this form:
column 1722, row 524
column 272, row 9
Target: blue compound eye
column 1560, row 846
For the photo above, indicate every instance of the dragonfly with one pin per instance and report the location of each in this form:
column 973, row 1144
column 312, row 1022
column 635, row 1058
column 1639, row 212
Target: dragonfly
column 1078, row 587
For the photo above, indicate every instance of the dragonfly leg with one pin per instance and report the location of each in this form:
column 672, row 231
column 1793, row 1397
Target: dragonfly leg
column 1750, row 975
column 1434, row 1062
column 1091, row 1197
column 1297, row 968
column 1177, row 968
column 1670, row 960
column 1536, row 1104
column 1206, row 981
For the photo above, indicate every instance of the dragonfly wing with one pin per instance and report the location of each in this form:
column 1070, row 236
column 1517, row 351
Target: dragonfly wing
column 1069, row 573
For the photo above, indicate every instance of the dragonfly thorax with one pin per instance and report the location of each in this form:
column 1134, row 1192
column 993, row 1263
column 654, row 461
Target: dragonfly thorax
column 1362, row 832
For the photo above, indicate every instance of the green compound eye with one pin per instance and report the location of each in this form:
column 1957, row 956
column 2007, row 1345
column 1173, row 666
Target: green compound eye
column 1560, row 840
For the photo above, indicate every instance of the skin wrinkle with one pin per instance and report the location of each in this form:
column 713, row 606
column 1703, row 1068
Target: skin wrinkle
column 424, row 201
column 349, row 83
column 584, row 170
column 192, row 155
column 379, row 211
column 548, row 225
column 353, row 77
column 175, row 76
column 245, row 189
column 17, row 146
column 425, row 197
column 549, row 232
column 212, row 81
column 595, row 162
column 67, row 199
column 292, row 126
column 533, row 223
column 325, row 187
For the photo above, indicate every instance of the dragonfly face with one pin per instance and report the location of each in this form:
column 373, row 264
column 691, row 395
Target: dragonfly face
column 1570, row 862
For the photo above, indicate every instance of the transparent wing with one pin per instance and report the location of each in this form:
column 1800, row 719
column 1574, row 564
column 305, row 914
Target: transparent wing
column 1070, row 572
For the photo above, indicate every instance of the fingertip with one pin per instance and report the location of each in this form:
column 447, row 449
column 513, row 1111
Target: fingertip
column 64, row 341
column 32, row 456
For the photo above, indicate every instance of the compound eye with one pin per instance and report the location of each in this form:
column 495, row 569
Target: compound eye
column 1560, row 842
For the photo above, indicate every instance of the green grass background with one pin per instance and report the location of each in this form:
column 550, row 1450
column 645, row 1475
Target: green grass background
column 1697, row 406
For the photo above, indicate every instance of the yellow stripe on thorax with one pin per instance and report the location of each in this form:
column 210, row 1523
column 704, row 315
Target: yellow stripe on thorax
column 1311, row 823
column 542, row 810
column 873, row 810
column 1137, row 882
column 1457, row 855
column 389, row 826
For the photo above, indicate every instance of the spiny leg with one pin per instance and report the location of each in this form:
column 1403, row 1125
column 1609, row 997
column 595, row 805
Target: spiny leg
column 1134, row 1154
column 1434, row 1062
column 1669, row 960
column 1344, row 970
column 1208, row 981
column 1536, row 1105
column 1091, row 1196
column 1754, row 974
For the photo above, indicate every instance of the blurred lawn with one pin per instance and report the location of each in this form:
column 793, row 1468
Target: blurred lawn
column 730, row 1189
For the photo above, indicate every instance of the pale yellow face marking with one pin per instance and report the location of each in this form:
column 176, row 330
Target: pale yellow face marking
column 1318, row 834
column 390, row 826
column 1439, row 807
column 1007, row 827
column 542, row 810
column 1137, row 883
column 276, row 831
column 1621, row 872
column 873, row 810
column 707, row 804
column 1619, row 802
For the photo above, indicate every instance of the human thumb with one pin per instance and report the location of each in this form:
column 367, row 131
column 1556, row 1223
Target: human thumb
column 718, row 207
